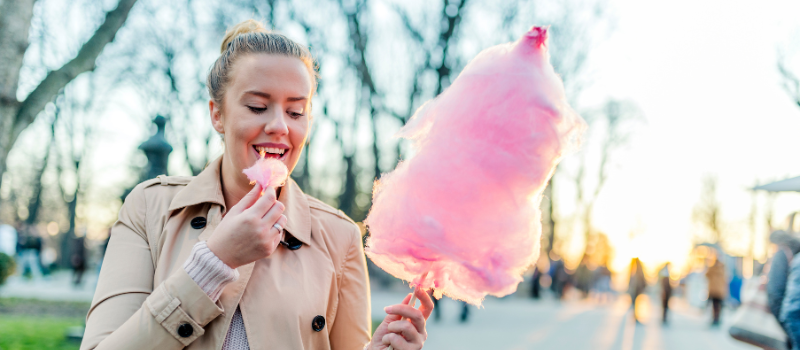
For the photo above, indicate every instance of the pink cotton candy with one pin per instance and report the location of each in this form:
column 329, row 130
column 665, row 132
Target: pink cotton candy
column 267, row 172
column 462, row 215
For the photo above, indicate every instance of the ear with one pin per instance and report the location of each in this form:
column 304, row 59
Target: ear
column 215, row 109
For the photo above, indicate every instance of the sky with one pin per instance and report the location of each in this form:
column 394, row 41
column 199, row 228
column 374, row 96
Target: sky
column 704, row 75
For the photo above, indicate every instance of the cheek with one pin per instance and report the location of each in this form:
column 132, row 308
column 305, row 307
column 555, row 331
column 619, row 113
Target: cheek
column 298, row 131
column 244, row 130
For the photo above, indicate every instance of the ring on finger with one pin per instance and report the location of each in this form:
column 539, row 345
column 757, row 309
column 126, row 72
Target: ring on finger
column 278, row 227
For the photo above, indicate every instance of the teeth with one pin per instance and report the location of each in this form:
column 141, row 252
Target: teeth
column 272, row 150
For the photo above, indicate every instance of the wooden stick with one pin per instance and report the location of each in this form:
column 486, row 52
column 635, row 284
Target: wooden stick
column 411, row 302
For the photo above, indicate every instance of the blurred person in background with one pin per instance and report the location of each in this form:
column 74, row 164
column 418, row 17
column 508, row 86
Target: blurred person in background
column 29, row 248
column 788, row 245
column 437, row 309
column 790, row 307
column 602, row 283
column 717, row 287
column 215, row 262
column 735, row 286
column 8, row 240
column 636, row 284
column 558, row 276
column 536, row 284
column 666, row 291
column 77, row 259
column 583, row 277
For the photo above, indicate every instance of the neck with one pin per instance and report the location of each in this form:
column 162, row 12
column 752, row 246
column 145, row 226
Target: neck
column 234, row 185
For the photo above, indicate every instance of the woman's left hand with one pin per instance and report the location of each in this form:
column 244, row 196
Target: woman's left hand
column 404, row 326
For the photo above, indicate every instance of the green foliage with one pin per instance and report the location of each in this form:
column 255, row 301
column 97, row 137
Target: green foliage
column 7, row 267
column 33, row 333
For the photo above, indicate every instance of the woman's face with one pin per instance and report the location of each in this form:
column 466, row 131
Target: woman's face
column 265, row 109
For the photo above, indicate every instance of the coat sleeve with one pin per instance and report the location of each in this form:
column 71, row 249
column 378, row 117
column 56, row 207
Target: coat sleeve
column 790, row 308
column 776, row 282
column 353, row 324
column 128, row 312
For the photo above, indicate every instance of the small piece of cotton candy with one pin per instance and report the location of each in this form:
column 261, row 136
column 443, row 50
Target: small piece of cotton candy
column 267, row 172
column 462, row 215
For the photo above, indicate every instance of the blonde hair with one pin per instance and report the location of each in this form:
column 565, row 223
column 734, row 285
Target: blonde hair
column 248, row 37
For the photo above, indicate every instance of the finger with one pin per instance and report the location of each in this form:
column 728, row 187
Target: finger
column 412, row 314
column 274, row 213
column 247, row 200
column 282, row 220
column 426, row 303
column 406, row 329
column 396, row 341
column 392, row 317
column 406, row 299
column 264, row 203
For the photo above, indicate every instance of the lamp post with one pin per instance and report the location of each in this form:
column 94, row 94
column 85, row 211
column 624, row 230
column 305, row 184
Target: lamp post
column 157, row 150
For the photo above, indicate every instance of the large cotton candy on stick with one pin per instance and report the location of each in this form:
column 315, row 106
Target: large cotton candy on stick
column 462, row 215
column 267, row 172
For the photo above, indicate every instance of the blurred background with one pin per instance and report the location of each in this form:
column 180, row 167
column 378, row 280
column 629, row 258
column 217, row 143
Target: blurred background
column 692, row 110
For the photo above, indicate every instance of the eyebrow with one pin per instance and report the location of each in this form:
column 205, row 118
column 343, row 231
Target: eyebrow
column 266, row 95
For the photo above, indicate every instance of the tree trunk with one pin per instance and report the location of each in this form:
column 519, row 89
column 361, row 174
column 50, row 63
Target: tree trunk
column 36, row 200
column 15, row 20
column 551, row 223
column 376, row 152
column 347, row 200
column 72, row 212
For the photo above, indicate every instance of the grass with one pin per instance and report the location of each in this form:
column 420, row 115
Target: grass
column 19, row 332
column 33, row 307
column 27, row 324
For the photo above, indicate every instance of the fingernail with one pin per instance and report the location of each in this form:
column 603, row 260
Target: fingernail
column 387, row 309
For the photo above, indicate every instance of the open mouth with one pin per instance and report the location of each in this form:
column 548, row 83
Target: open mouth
column 270, row 152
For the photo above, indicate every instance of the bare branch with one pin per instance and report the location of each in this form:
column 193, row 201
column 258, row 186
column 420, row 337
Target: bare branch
column 83, row 62
column 790, row 82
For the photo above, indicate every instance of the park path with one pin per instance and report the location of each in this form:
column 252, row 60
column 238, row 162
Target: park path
column 511, row 323
column 516, row 323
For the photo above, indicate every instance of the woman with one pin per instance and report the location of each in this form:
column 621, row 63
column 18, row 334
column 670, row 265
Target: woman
column 717, row 288
column 636, row 285
column 666, row 291
column 208, row 263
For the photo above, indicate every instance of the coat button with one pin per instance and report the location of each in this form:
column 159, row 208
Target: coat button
column 198, row 222
column 185, row 330
column 318, row 323
column 291, row 243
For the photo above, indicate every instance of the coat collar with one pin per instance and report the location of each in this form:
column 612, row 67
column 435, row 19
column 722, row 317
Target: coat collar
column 207, row 188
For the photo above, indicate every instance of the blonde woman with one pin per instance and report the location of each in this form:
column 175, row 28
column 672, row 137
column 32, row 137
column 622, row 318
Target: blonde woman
column 206, row 263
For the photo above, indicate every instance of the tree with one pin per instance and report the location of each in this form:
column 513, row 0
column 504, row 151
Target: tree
column 15, row 21
column 167, row 65
column 614, row 125
column 707, row 213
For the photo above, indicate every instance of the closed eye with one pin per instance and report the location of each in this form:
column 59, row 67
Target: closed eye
column 257, row 110
column 296, row 115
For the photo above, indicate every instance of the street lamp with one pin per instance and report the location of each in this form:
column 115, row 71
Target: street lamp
column 157, row 150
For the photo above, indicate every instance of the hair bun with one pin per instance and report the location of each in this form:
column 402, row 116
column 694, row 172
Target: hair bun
column 244, row 27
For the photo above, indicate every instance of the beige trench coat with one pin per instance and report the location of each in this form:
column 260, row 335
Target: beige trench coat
column 144, row 295
column 717, row 283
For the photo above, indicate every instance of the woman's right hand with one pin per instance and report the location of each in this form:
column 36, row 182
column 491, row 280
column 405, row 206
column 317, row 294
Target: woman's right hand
column 247, row 231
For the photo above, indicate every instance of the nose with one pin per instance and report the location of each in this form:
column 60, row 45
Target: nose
column 276, row 124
